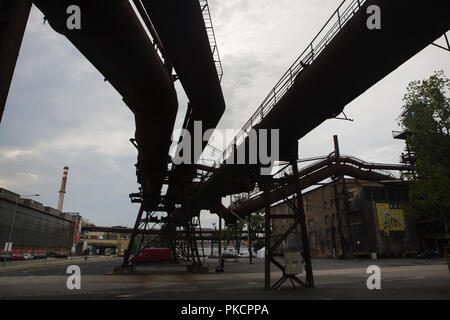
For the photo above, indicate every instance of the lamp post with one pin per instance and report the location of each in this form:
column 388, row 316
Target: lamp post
column 12, row 224
column 212, row 239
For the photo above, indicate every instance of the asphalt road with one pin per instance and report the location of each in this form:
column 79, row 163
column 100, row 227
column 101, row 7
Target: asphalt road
column 400, row 279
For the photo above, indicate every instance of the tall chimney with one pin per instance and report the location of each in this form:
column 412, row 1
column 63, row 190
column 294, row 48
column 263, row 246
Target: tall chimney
column 62, row 191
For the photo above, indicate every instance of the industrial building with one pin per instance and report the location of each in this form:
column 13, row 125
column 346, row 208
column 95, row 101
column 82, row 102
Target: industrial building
column 175, row 41
column 35, row 228
column 372, row 220
column 103, row 243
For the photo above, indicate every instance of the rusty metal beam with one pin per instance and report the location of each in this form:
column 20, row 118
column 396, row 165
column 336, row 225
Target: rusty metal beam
column 319, row 175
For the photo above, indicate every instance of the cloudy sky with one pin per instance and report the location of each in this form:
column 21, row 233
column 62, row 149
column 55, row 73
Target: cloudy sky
column 60, row 112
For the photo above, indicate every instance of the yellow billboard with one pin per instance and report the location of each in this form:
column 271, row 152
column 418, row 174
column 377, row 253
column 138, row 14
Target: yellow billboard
column 390, row 219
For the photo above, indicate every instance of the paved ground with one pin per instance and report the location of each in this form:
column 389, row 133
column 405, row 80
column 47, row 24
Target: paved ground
column 401, row 279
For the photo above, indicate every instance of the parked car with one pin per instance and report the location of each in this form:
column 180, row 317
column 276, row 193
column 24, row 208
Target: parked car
column 28, row 256
column 60, row 256
column 18, row 257
column 428, row 254
column 153, row 255
column 6, row 257
column 244, row 254
column 38, row 256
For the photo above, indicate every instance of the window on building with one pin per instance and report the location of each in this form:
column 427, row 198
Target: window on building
column 327, row 218
column 312, row 240
column 367, row 194
column 329, row 244
column 311, row 223
column 404, row 195
column 350, row 204
column 379, row 195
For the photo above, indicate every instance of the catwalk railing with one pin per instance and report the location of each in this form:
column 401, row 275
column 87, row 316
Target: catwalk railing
column 332, row 27
column 212, row 37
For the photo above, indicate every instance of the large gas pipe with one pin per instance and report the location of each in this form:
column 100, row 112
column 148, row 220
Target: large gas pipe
column 114, row 41
column 13, row 20
column 351, row 63
column 181, row 28
column 262, row 201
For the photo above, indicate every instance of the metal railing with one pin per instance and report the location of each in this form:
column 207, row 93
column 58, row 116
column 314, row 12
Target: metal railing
column 212, row 37
column 334, row 24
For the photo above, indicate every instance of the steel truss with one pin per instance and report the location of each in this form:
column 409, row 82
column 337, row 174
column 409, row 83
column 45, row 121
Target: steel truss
column 183, row 243
column 296, row 204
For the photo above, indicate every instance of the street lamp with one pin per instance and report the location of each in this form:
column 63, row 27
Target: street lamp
column 12, row 224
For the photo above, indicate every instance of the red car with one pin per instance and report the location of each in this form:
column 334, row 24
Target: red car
column 18, row 257
column 154, row 255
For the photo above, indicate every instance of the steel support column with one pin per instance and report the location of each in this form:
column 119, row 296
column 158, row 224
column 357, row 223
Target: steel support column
column 341, row 208
column 268, row 251
column 249, row 233
column 126, row 256
column 301, row 216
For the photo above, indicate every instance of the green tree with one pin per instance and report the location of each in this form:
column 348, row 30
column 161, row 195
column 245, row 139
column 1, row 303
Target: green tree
column 257, row 223
column 426, row 119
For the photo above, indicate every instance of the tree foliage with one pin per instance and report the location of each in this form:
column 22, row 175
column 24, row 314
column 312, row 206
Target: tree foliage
column 256, row 222
column 426, row 119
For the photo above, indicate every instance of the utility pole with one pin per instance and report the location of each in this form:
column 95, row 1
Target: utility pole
column 344, row 226
column 249, row 232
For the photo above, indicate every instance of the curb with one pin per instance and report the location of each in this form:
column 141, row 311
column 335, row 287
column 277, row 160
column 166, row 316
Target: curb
column 51, row 264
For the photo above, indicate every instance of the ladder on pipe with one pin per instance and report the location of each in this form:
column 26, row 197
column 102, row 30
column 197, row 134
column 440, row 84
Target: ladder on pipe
column 212, row 37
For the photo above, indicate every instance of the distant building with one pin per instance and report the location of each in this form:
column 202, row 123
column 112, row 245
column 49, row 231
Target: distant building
column 36, row 228
column 101, row 243
column 372, row 220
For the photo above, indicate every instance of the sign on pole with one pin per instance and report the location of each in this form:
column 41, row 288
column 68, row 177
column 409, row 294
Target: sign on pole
column 8, row 246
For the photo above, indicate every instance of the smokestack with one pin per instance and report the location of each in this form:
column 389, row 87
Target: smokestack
column 62, row 191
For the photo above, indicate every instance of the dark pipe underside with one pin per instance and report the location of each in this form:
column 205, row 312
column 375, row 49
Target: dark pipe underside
column 114, row 41
column 182, row 30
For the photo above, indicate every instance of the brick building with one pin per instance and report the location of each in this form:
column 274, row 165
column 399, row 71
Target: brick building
column 371, row 220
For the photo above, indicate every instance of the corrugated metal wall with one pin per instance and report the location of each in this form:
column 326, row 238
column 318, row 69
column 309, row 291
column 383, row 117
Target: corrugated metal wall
column 34, row 229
